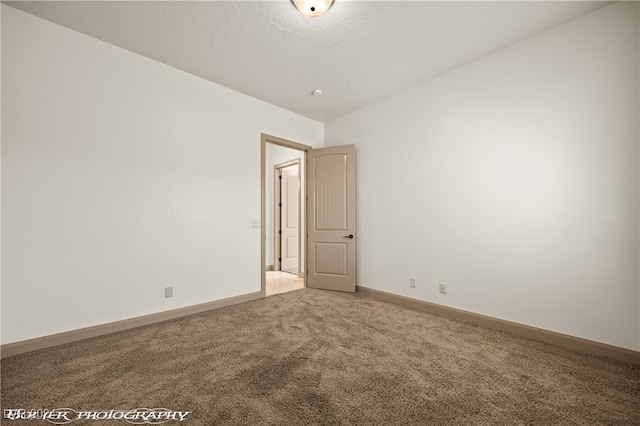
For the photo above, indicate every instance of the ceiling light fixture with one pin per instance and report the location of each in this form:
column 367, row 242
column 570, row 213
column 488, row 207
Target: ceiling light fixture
column 312, row 8
column 317, row 92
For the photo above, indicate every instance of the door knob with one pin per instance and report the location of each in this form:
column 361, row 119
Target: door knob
column 350, row 236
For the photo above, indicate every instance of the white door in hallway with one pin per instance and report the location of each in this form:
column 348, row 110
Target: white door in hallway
column 331, row 239
column 289, row 218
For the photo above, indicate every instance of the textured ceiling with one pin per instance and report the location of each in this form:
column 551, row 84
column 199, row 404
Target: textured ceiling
column 358, row 53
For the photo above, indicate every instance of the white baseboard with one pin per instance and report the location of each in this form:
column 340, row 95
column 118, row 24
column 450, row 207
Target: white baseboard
column 564, row 340
column 24, row 346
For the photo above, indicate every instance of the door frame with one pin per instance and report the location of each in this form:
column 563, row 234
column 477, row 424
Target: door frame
column 264, row 140
column 277, row 213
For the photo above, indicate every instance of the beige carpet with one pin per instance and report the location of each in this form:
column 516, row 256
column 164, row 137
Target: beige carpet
column 313, row 357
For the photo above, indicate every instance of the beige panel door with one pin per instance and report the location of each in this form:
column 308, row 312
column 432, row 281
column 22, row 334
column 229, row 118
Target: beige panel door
column 289, row 218
column 331, row 242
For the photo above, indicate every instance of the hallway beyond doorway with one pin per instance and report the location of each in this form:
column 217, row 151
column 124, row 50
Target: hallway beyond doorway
column 282, row 282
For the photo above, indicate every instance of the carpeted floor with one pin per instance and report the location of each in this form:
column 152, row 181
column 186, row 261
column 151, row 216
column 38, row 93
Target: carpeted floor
column 312, row 357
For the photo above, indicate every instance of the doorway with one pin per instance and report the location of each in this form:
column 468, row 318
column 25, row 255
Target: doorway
column 283, row 242
column 328, row 240
column 286, row 228
column 286, row 274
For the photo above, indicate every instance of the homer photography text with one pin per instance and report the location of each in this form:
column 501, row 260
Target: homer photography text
column 61, row 416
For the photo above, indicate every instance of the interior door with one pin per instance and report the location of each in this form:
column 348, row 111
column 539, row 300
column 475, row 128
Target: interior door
column 331, row 225
column 289, row 218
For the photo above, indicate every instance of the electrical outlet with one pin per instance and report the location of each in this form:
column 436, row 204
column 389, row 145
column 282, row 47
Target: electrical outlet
column 443, row 288
column 168, row 292
column 412, row 282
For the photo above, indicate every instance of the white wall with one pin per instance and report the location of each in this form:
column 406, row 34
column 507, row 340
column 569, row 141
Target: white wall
column 275, row 155
column 121, row 176
column 514, row 180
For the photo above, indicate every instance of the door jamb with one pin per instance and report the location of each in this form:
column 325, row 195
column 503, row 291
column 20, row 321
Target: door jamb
column 264, row 139
column 277, row 212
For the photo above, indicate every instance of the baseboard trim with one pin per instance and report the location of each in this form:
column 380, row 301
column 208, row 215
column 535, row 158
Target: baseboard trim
column 269, row 268
column 16, row 348
column 564, row 340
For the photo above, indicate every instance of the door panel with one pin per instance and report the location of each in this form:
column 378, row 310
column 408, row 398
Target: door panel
column 331, row 192
column 331, row 228
column 291, row 248
column 331, row 259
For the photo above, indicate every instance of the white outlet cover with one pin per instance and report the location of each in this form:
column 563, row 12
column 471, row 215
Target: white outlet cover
column 255, row 224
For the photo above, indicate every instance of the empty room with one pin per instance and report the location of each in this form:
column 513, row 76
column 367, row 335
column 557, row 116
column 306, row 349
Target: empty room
column 319, row 212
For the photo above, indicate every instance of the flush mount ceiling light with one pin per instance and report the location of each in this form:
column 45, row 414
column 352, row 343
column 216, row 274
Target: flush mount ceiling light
column 312, row 8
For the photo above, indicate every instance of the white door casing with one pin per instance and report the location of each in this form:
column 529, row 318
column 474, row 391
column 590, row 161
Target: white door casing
column 331, row 242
